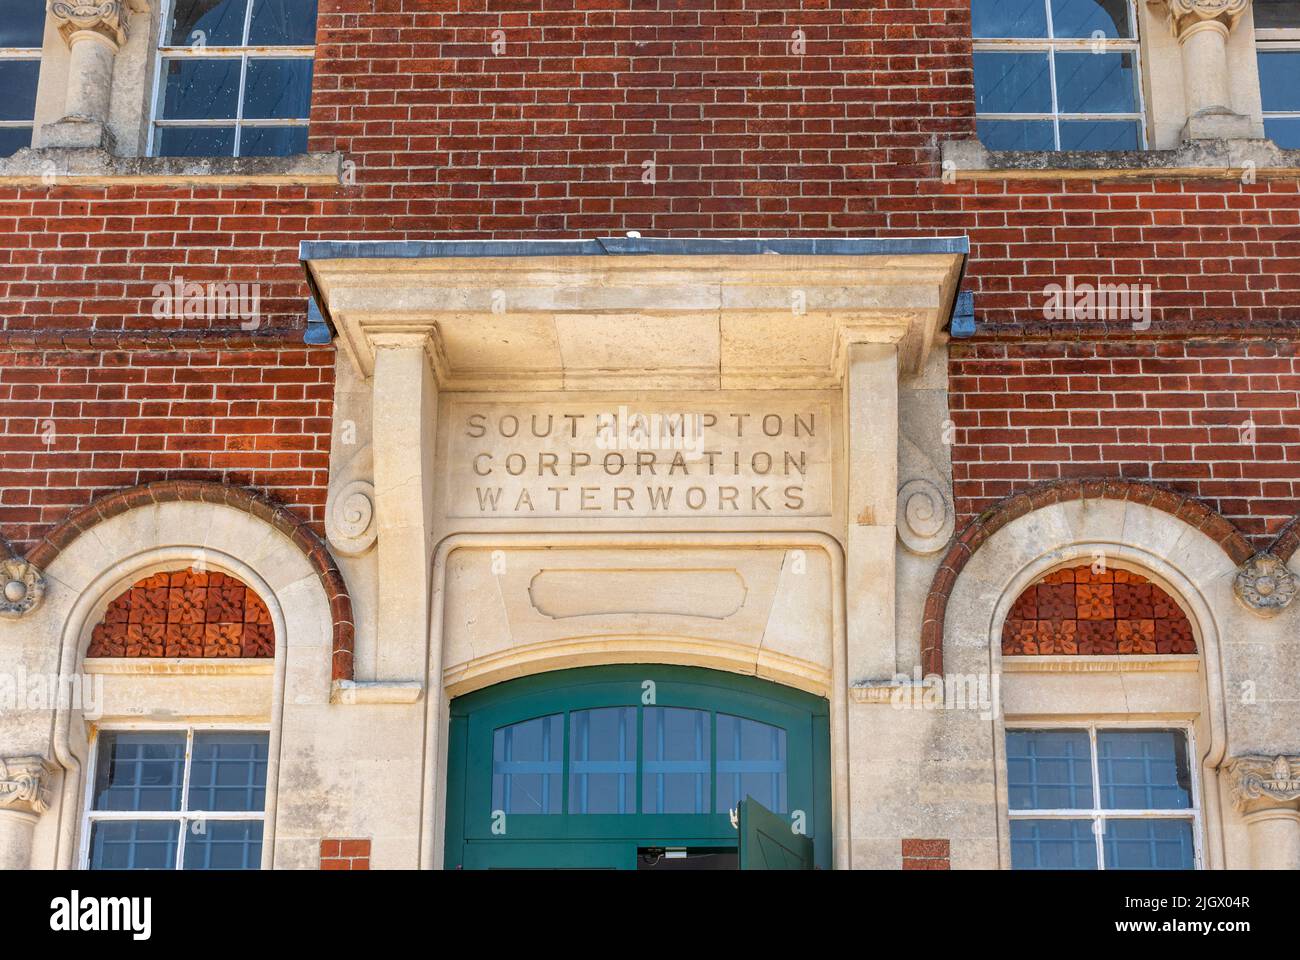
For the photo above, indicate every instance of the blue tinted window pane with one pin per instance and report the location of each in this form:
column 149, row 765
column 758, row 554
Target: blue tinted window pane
column 213, row 23
column 1096, row 82
column 1085, row 18
column 18, row 81
column 134, row 845
column 1009, row 18
column 223, row 845
column 1016, row 134
column 13, row 139
column 140, row 771
column 23, row 23
column 1149, row 845
column 1049, row 770
column 751, row 763
column 228, row 771
column 283, row 23
column 1101, row 135
column 528, row 766
column 201, row 89
column 272, row 141
column 277, row 89
column 1284, row 131
column 1143, row 770
column 196, row 141
column 676, row 761
column 1279, row 80
column 1053, row 845
column 1012, row 83
column 602, row 760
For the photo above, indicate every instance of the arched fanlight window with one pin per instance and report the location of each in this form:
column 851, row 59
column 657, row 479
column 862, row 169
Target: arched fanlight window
column 185, row 613
column 1079, row 611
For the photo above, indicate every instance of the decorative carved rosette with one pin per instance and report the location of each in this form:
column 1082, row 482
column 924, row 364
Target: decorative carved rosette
column 106, row 18
column 925, row 518
column 1185, row 14
column 22, row 587
column 25, row 784
column 1274, row 780
column 1265, row 584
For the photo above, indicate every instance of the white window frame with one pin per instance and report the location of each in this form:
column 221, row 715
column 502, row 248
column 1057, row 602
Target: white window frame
column 1096, row 813
column 22, row 53
column 1277, row 40
column 1052, row 45
column 184, row 815
column 242, row 53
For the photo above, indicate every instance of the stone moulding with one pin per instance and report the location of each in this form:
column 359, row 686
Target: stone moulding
column 1270, row 780
column 256, row 504
column 979, row 530
column 78, row 166
column 1202, row 159
column 25, row 784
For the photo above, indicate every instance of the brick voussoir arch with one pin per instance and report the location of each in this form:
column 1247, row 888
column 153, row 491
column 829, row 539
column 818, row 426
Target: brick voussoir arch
column 257, row 504
column 1287, row 542
column 1190, row 511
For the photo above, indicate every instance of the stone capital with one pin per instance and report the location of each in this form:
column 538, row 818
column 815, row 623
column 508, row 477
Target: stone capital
column 1265, row 585
column 25, row 784
column 1188, row 16
column 105, row 19
column 1259, row 783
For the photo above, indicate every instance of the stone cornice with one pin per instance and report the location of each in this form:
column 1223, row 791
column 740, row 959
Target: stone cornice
column 1258, row 782
column 25, row 784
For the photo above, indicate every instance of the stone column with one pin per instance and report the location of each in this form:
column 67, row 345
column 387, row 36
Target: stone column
column 1202, row 28
column 94, row 31
column 404, row 417
column 871, row 468
column 24, row 796
column 1267, row 793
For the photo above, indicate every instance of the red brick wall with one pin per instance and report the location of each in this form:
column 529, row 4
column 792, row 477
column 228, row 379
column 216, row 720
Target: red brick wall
column 926, row 855
column 549, row 138
column 1177, row 413
column 345, row 854
column 79, row 423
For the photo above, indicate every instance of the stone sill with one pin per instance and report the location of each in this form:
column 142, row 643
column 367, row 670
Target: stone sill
column 180, row 666
column 53, row 167
column 1212, row 159
column 1119, row 663
column 376, row 691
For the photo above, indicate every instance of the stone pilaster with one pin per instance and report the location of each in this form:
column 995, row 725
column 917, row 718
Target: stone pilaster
column 1202, row 28
column 24, row 796
column 1266, row 791
column 94, row 31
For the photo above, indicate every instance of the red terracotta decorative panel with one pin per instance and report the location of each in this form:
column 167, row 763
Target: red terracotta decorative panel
column 185, row 613
column 1085, row 612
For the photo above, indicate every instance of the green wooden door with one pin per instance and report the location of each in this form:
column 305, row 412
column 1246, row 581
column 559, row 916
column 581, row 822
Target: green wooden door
column 769, row 842
column 599, row 767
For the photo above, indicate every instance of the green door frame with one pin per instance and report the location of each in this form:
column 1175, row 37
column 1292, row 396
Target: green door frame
column 611, row 840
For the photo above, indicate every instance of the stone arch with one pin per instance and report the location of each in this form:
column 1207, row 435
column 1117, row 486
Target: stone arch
column 1190, row 512
column 257, row 505
column 1185, row 560
column 101, row 550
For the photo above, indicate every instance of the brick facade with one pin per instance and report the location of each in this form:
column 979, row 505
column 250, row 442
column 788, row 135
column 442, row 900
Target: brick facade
column 550, row 137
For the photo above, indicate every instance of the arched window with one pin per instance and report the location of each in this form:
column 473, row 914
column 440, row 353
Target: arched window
column 185, row 613
column 1080, row 611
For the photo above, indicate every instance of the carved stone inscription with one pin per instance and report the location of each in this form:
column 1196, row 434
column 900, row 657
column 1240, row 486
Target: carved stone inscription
column 766, row 459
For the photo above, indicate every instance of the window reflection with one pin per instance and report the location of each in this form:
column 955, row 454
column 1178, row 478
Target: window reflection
column 602, row 760
column 676, row 774
column 751, row 763
column 528, row 766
